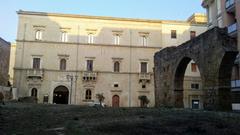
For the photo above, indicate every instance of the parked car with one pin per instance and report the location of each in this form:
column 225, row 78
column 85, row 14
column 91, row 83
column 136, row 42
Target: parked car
column 96, row 104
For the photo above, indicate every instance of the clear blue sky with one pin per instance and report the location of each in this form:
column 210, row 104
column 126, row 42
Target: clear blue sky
column 146, row 9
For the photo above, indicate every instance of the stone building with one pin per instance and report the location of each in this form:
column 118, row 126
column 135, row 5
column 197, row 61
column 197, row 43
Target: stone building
column 4, row 61
column 68, row 59
column 226, row 13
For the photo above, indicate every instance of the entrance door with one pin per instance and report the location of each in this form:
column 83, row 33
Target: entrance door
column 60, row 95
column 115, row 101
column 195, row 104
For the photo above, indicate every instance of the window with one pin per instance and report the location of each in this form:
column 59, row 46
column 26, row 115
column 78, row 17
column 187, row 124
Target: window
column 38, row 35
column 63, row 64
column 173, row 34
column 194, row 67
column 143, row 86
column 116, row 66
column 117, row 39
column 195, row 86
column 36, row 63
column 115, row 85
column 88, row 95
column 34, row 92
column 192, row 34
column 64, row 36
column 143, row 67
column 144, row 40
column 89, row 65
column 90, row 38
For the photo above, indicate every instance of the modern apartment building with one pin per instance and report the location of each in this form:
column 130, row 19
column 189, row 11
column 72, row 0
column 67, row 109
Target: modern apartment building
column 68, row 59
column 226, row 13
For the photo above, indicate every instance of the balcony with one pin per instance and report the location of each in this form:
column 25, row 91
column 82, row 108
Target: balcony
column 89, row 76
column 230, row 6
column 146, row 77
column 232, row 30
column 35, row 73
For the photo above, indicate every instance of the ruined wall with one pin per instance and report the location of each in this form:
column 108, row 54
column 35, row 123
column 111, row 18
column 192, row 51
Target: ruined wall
column 214, row 53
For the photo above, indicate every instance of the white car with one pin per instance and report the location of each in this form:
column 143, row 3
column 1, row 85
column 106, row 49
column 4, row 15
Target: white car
column 96, row 104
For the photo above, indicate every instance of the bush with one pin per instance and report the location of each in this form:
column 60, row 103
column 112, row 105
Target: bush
column 27, row 100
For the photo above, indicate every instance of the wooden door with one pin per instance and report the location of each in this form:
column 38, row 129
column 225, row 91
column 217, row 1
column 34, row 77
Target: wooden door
column 115, row 101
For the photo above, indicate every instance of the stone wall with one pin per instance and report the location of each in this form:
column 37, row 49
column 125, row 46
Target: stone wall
column 214, row 52
column 4, row 61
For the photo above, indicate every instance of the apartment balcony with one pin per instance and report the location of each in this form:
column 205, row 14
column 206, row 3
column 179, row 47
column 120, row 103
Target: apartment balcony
column 144, row 77
column 35, row 73
column 89, row 76
column 232, row 30
column 230, row 6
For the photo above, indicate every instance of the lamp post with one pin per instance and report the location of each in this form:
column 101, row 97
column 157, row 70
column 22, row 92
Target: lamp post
column 71, row 78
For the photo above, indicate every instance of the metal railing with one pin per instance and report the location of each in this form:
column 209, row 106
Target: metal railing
column 35, row 73
column 88, row 75
column 144, row 76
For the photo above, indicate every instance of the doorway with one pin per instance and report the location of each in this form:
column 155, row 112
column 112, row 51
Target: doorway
column 60, row 95
column 115, row 101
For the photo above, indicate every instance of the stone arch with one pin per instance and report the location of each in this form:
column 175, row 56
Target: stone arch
column 61, row 95
column 224, row 80
column 178, row 84
column 214, row 52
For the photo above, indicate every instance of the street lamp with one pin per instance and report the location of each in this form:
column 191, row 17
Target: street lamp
column 71, row 78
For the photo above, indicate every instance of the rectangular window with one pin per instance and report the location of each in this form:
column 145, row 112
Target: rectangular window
column 194, row 67
column 115, row 85
column 89, row 65
column 192, row 34
column 38, row 35
column 173, row 34
column 116, row 39
column 144, row 40
column 195, row 86
column 90, row 38
column 64, row 37
column 143, row 67
column 36, row 63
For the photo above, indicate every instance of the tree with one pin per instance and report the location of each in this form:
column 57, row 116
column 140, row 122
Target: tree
column 100, row 98
column 144, row 101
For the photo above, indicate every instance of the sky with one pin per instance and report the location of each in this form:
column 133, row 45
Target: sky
column 143, row 9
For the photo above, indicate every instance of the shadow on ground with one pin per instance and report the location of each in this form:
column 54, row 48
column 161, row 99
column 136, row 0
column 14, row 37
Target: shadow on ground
column 30, row 119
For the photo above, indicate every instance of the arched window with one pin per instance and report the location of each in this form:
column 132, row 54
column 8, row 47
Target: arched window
column 34, row 92
column 63, row 64
column 88, row 94
column 116, row 66
column 38, row 35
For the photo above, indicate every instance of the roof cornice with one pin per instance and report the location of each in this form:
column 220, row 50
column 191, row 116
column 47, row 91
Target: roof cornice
column 21, row 12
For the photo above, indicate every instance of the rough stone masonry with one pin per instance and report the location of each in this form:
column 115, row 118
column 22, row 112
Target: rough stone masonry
column 214, row 52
